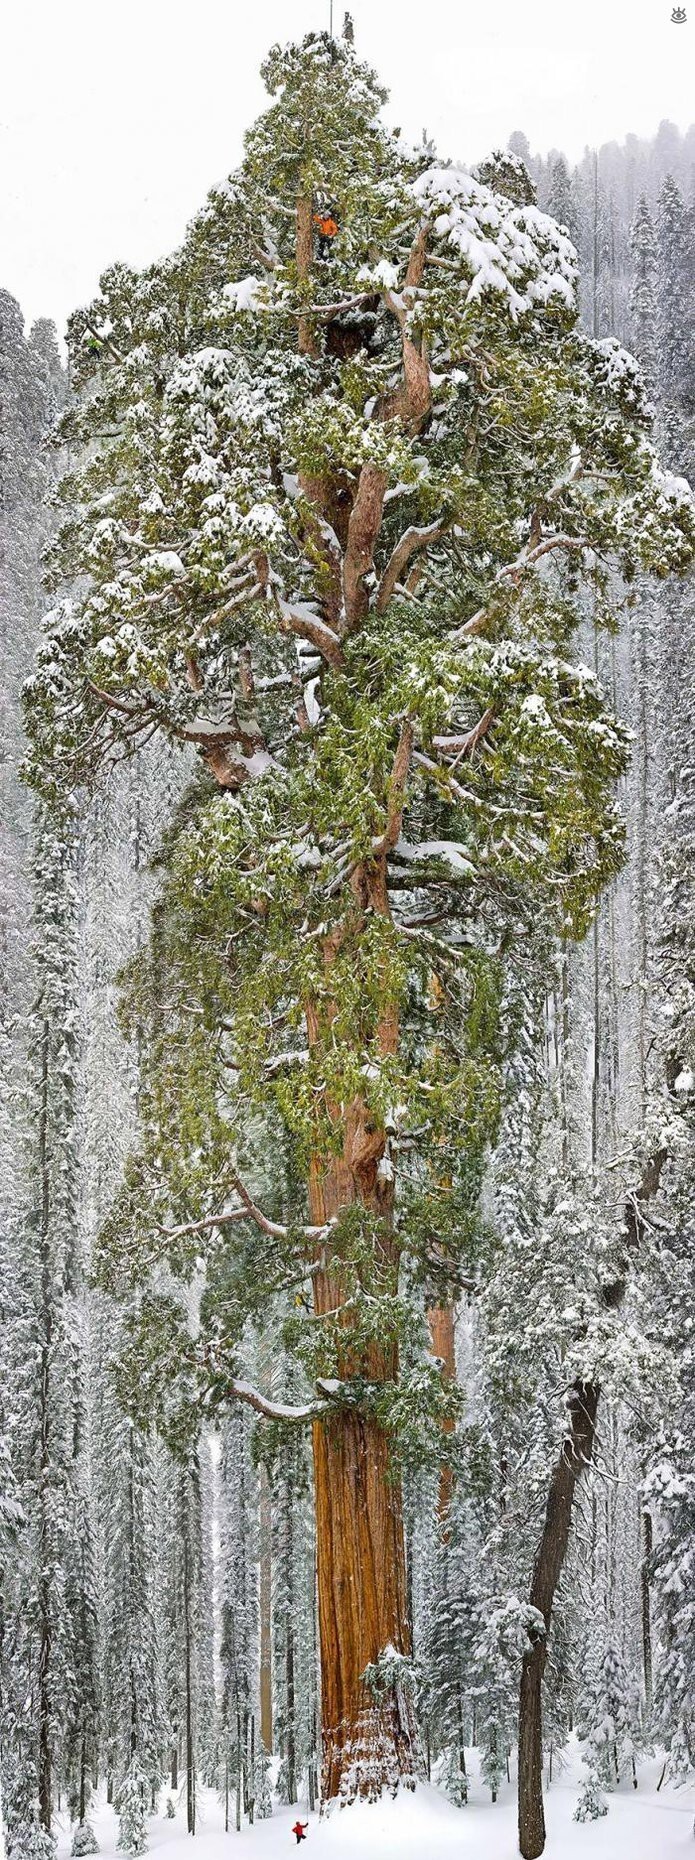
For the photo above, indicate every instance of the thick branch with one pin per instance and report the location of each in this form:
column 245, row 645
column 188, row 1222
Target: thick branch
column 213, row 739
column 363, row 529
column 412, row 400
column 304, row 252
column 312, row 628
column 275, row 1410
column 410, row 543
column 249, row 1211
column 460, row 746
column 331, row 1394
column 131, row 711
column 397, row 785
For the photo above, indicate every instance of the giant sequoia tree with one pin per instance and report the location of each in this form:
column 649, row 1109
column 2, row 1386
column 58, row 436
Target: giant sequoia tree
column 335, row 506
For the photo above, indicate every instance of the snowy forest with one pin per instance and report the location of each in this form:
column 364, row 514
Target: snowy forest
column 347, row 1009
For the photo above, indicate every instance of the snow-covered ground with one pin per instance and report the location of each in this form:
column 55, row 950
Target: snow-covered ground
column 640, row 1825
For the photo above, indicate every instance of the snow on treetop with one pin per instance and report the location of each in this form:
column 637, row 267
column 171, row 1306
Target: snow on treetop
column 622, row 375
column 517, row 251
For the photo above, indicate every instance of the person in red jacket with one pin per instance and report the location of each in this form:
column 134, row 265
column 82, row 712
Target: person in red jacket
column 299, row 1829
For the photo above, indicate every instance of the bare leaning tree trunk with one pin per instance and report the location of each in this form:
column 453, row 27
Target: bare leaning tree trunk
column 575, row 1456
column 647, row 1536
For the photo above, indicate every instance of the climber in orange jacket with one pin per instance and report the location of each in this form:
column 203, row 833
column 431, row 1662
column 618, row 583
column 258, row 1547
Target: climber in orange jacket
column 326, row 227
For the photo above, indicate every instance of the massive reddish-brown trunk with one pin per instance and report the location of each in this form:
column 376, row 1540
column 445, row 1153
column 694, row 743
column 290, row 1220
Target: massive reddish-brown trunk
column 368, row 1741
column 369, row 1736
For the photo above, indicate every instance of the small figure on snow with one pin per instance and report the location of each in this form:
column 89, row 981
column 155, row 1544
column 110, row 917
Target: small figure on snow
column 299, row 1829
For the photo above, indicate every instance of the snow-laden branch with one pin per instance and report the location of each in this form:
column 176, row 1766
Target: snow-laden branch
column 326, row 313
column 514, row 572
column 208, row 1221
column 460, row 746
column 301, row 620
column 286, row 1062
column 249, row 1211
column 330, row 1393
column 231, row 767
column 452, row 853
column 276, row 1410
column 413, row 540
column 275, row 1229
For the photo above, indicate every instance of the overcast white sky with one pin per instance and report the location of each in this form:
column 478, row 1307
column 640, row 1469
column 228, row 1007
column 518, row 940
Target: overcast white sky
column 115, row 119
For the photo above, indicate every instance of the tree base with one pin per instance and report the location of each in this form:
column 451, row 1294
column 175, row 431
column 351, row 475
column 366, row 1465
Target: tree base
column 382, row 1753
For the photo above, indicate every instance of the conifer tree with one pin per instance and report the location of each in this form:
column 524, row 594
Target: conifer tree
column 133, row 1678
column 608, row 1719
column 187, row 1695
column 352, row 497
column 26, row 407
column 560, row 202
column 294, row 1636
column 669, row 1486
column 207, row 1726
column 675, row 321
column 643, row 299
